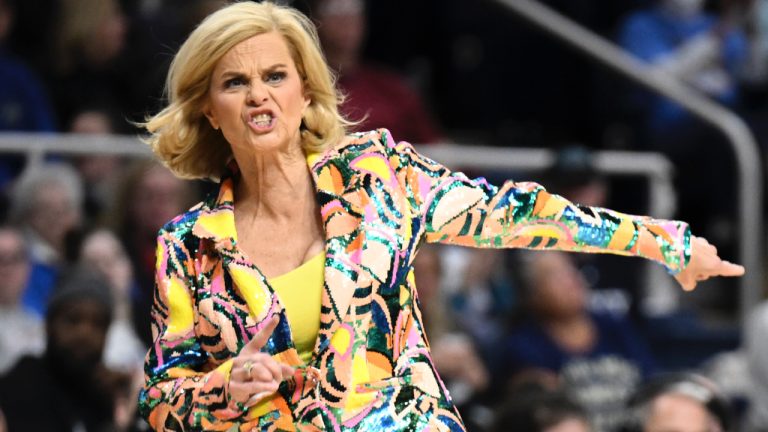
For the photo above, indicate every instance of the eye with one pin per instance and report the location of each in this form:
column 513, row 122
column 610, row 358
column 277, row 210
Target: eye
column 274, row 77
column 235, row 82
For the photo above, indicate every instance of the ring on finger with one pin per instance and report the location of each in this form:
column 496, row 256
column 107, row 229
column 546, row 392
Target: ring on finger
column 248, row 365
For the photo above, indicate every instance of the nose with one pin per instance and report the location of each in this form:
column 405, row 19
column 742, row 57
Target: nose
column 257, row 94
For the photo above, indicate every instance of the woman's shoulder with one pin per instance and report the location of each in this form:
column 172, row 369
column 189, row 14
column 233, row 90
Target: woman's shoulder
column 376, row 140
column 181, row 225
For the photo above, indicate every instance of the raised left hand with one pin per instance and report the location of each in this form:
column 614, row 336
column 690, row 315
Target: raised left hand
column 704, row 264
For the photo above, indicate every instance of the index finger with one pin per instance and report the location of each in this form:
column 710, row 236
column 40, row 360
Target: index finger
column 262, row 336
column 730, row 269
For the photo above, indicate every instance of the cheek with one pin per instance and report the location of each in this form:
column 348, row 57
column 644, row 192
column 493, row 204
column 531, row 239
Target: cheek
column 62, row 332
column 296, row 100
column 547, row 292
column 224, row 108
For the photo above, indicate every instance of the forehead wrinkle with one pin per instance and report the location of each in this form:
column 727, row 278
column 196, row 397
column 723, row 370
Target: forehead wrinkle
column 255, row 54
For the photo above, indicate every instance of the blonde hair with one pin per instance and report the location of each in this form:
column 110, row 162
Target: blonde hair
column 182, row 137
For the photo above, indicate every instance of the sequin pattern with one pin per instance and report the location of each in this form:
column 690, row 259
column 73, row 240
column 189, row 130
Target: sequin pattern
column 379, row 200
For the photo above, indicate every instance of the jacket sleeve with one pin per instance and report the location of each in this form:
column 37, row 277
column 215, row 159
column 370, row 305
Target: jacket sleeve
column 471, row 212
column 179, row 394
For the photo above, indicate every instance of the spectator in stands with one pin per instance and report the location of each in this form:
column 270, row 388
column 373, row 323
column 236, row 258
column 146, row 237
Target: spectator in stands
column 453, row 350
column 756, row 17
column 575, row 176
column 535, row 409
column 376, row 96
column 484, row 300
column 755, row 77
column 617, row 281
column 102, row 251
column 156, row 29
column 87, row 65
column 123, row 351
column 33, row 30
column 93, row 120
column 707, row 52
column 100, row 172
column 24, row 104
column 68, row 388
column 681, row 402
column 757, row 358
column 680, row 38
column 21, row 331
column 596, row 358
column 46, row 202
column 149, row 197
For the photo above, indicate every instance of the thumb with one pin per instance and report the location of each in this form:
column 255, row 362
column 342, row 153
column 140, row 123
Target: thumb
column 686, row 280
column 261, row 337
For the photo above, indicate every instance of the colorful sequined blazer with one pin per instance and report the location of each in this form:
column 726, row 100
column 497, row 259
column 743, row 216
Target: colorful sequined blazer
column 379, row 201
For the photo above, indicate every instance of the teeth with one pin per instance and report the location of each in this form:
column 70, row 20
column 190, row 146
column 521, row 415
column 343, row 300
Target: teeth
column 261, row 119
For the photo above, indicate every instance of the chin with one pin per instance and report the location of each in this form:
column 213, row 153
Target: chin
column 273, row 141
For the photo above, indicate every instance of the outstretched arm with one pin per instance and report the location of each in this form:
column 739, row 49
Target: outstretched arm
column 459, row 210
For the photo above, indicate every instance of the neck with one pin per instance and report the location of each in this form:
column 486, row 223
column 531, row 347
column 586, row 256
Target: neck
column 274, row 185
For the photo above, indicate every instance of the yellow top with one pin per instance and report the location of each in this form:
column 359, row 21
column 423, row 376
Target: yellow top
column 300, row 291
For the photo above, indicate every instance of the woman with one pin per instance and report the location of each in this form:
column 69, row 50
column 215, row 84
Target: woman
column 88, row 65
column 287, row 301
column 597, row 358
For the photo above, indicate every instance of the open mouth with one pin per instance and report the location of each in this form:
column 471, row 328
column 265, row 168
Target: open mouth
column 262, row 120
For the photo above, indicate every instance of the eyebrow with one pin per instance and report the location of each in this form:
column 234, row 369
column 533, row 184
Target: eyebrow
column 237, row 73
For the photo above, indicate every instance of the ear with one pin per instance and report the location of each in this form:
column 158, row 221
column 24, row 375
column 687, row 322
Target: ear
column 209, row 115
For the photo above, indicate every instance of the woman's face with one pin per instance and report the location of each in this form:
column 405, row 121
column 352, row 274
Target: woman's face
column 256, row 96
column 55, row 213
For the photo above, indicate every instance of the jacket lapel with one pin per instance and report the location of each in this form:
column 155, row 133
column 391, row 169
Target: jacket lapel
column 341, row 215
column 216, row 223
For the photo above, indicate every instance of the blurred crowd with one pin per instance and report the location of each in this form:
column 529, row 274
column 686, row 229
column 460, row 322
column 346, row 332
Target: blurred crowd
column 526, row 341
